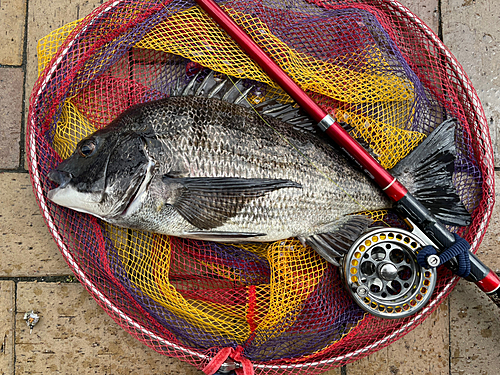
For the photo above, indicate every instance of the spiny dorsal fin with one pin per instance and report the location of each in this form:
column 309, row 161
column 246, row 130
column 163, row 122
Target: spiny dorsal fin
column 209, row 84
column 286, row 113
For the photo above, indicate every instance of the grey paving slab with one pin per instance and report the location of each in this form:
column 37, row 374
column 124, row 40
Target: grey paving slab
column 75, row 336
column 43, row 19
column 7, row 313
column 489, row 250
column 423, row 351
column 25, row 244
column 475, row 332
column 11, row 107
column 13, row 16
column 471, row 30
column 426, row 10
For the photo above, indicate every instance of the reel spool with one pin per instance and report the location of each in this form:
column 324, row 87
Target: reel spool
column 382, row 274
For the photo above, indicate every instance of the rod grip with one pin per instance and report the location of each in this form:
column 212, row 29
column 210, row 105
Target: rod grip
column 483, row 276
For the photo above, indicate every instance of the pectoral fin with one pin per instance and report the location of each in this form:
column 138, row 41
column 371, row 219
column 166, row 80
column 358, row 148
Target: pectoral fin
column 208, row 202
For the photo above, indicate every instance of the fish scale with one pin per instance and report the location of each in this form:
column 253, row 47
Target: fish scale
column 215, row 170
column 264, row 154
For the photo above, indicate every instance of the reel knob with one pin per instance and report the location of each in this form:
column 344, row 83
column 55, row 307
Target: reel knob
column 381, row 273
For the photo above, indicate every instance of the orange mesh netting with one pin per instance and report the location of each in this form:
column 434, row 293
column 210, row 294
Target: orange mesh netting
column 371, row 63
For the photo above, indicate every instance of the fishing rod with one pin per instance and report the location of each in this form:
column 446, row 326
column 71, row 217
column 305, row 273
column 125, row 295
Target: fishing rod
column 405, row 203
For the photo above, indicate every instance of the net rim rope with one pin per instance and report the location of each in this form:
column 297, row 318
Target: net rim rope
column 123, row 318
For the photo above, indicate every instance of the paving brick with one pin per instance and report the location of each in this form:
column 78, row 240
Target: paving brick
column 423, row 351
column 11, row 106
column 490, row 247
column 26, row 246
column 75, row 336
column 43, row 19
column 7, row 303
column 13, row 15
column 335, row 371
column 475, row 332
column 426, row 10
column 471, row 30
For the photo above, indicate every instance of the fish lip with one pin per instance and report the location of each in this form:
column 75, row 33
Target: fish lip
column 52, row 192
column 60, row 177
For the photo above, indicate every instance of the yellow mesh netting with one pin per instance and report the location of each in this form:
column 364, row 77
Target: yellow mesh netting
column 295, row 270
column 49, row 44
column 71, row 128
column 148, row 258
column 296, row 273
column 194, row 35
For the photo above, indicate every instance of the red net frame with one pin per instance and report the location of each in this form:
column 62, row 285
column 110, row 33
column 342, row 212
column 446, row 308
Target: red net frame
column 436, row 68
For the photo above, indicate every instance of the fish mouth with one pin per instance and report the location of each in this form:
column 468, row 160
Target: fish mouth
column 68, row 196
column 61, row 178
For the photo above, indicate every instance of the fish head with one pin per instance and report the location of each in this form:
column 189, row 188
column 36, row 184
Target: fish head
column 104, row 174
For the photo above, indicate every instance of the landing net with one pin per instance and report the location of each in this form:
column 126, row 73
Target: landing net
column 372, row 64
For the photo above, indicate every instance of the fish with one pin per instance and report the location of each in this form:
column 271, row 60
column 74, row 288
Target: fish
column 205, row 164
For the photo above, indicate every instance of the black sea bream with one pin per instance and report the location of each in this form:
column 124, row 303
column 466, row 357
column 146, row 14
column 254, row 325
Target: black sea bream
column 205, row 168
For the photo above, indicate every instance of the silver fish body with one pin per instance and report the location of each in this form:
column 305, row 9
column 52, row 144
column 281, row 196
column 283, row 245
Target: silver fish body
column 204, row 168
column 183, row 138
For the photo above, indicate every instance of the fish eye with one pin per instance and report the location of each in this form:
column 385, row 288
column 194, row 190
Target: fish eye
column 86, row 148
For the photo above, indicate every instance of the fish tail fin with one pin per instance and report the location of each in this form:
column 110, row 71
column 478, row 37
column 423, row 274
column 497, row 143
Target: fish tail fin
column 427, row 172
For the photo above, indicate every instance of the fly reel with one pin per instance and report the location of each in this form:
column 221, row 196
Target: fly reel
column 382, row 274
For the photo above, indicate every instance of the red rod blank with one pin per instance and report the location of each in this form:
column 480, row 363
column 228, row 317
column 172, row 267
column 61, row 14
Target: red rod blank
column 382, row 178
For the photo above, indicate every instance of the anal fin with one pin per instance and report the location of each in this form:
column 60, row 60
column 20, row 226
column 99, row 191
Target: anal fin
column 333, row 245
column 219, row 236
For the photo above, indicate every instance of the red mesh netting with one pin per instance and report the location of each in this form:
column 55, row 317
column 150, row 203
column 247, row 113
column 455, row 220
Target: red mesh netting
column 363, row 61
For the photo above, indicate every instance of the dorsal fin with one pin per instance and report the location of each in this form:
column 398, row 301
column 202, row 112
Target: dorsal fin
column 286, row 113
column 209, row 84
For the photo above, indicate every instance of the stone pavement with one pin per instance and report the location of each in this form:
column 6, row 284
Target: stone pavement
column 76, row 336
